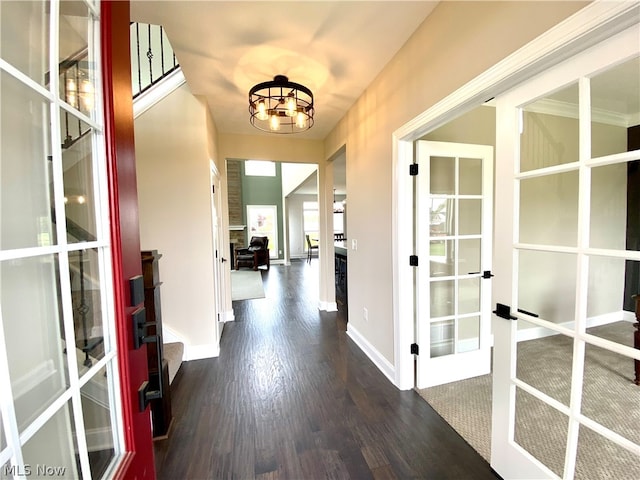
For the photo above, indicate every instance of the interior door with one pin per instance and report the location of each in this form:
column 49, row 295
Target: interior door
column 221, row 253
column 563, row 356
column 453, row 226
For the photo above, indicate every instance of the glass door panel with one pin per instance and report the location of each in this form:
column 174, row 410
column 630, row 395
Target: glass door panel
column 599, row 457
column 25, row 162
column 549, row 130
column 34, row 334
column 549, row 209
column 51, row 452
column 541, row 430
column 24, row 38
column 609, row 206
column 544, row 360
column 614, row 107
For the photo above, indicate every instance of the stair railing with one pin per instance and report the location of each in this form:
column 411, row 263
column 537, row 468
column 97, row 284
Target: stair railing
column 152, row 57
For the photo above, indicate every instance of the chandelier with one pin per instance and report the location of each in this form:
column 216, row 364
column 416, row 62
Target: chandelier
column 281, row 106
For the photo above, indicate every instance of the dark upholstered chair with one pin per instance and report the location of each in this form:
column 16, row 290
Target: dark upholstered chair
column 255, row 255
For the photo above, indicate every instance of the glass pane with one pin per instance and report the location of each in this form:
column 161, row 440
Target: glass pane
column 441, row 255
column 470, row 215
column 599, row 457
column 441, row 221
column 615, row 102
column 77, row 71
column 547, row 285
column 470, row 176
column 25, row 183
column 609, row 395
column 468, row 295
column 51, row 452
column 443, row 175
column 550, row 130
column 468, row 334
column 442, row 298
column 607, row 299
column 469, row 255
column 544, row 362
column 541, row 430
column 35, row 340
column 24, row 38
column 549, row 209
column 97, row 423
column 442, row 335
column 87, row 306
column 78, row 179
column 609, row 206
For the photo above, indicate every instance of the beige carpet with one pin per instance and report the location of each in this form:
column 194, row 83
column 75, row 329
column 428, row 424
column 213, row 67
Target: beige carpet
column 609, row 397
column 246, row 285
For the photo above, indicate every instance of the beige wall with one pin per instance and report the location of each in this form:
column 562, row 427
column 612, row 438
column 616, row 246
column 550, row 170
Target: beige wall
column 173, row 151
column 457, row 42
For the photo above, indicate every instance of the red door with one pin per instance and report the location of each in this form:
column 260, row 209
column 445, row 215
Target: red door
column 119, row 139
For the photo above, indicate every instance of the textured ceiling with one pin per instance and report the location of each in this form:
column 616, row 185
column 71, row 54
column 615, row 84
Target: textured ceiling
column 336, row 48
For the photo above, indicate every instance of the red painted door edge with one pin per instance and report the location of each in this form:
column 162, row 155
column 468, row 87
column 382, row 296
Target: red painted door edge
column 138, row 461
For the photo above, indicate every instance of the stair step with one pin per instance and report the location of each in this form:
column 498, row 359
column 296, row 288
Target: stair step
column 173, row 354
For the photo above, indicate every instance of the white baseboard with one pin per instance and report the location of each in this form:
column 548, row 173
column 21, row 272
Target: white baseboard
column 328, row 306
column 228, row 316
column 597, row 321
column 378, row 360
column 171, row 336
column 198, row 352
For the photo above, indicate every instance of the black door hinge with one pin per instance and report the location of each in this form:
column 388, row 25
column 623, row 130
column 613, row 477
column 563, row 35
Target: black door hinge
column 487, row 274
column 413, row 260
column 213, row 189
column 413, row 169
column 415, row 350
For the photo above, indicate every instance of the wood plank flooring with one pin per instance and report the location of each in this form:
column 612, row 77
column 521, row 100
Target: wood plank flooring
column 291, row 396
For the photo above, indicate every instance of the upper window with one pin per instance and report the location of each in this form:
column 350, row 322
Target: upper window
column 259, row 168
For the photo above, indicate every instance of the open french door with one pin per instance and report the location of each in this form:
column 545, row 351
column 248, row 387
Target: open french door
column 567, row 265
column 453, row 236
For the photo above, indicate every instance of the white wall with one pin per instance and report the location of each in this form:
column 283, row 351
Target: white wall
column 457, row 42
column 173, row 155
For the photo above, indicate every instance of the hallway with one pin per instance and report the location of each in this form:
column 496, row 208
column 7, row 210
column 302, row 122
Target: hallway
column 291, row 396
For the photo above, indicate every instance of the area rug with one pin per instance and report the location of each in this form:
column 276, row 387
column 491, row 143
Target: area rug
column 246, row 285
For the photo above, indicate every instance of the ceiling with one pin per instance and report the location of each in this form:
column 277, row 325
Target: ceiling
column 336, row 48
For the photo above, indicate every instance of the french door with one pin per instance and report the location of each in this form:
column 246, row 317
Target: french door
column 567, row 265
column 453, row 226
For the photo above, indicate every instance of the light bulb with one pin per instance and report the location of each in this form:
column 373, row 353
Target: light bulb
column 274, row 122
column 262, row 111
column 290, row 105
column 301, row 120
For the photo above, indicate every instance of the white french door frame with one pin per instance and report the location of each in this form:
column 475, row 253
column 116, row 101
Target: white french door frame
column 597, row 21
column 508, row 458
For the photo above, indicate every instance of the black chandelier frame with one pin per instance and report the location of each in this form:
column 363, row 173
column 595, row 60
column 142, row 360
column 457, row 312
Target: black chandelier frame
column 274, row 95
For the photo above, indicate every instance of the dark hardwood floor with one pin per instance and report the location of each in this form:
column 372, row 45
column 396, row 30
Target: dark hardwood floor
column 291, row 396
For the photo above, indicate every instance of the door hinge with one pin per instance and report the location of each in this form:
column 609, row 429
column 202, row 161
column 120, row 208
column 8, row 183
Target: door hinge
column 415, row 350
column 487, row 274
column 413, row 260
column 413, row 169
column 213, row 189
column 504, row 311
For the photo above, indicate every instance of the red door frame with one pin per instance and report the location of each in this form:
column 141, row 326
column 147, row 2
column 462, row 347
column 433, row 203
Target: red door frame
column 125, row 236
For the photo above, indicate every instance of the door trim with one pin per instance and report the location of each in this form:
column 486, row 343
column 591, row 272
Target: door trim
column 594, row 23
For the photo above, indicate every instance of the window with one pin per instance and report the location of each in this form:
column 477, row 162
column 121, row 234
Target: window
column 259, row 168
column 311, row 220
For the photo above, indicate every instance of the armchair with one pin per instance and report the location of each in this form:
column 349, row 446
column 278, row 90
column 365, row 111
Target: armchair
column 255, row 255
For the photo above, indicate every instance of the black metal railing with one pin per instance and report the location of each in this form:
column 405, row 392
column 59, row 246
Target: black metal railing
column 152, row 57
